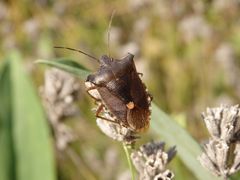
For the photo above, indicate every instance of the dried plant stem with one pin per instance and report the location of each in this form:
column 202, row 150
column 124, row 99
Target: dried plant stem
column 127, row 148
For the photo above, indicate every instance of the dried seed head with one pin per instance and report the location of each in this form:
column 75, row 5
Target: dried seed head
column 221, row 152
column 63, row 135
column 236, row 162
column 59, row 92
column 222, row 122
column 166, row 175
column 151, row 161
column 115, row 130
column 215, row 157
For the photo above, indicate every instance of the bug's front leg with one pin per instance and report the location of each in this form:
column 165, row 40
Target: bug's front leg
column 99, row 110
column 94, row 97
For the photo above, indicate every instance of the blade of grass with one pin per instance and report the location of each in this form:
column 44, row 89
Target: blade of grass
column 67, row 65
column 33, row 149
column 7, row 158
column 25, row 152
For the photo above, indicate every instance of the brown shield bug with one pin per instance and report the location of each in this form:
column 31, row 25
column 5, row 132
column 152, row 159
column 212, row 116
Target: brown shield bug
column 120, row 91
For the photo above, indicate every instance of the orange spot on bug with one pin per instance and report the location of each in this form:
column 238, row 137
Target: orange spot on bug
column 130, row 105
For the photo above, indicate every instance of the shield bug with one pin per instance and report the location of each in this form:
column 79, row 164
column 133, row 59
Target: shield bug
column 117, row 87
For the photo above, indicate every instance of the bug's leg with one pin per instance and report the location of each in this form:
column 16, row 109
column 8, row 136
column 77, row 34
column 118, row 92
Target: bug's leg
column 99, row 110
column 92, row 88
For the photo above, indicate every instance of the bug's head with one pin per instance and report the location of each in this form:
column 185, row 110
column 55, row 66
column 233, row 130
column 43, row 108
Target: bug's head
column 108, row 61
column 101, row 77
column 105, row 61
column 111, row 68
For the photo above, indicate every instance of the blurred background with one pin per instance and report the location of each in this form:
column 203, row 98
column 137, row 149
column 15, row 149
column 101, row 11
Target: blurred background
column 187, row 50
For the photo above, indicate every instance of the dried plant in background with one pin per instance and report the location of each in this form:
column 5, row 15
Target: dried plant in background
column 59, row 92
column 151, row 161
column 227, row 58
column 222, row 151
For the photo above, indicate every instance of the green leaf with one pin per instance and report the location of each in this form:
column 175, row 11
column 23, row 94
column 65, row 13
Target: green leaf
column 26, row 151
column 68, row 66
column 7, row 165
column 187, row 148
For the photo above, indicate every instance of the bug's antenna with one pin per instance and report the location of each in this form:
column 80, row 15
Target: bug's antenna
column 72, row 49
column 109, row 29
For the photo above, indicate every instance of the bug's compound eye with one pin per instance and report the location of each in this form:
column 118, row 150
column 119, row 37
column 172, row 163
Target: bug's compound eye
column 90, row 78
column 130, row 105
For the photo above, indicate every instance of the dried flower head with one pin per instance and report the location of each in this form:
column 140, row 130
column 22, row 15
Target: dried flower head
column 221, row 152
column 151, row 161
column 59, row 92
column 116, row 131
column 222, row 122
